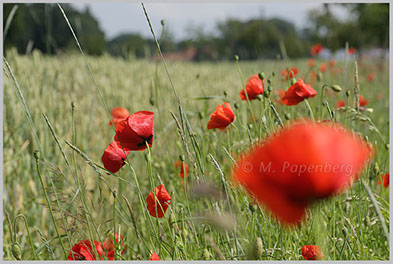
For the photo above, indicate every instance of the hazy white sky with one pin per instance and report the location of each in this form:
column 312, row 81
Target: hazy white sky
column 115, row 18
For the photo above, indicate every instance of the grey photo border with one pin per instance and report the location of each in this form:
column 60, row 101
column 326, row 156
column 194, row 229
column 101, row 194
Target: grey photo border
column 206, row 1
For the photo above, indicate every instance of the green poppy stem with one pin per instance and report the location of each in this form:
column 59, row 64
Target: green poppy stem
column 309, row 110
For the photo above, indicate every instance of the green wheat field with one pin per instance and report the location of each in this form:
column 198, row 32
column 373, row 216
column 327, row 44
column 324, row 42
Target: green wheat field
column 214, row 221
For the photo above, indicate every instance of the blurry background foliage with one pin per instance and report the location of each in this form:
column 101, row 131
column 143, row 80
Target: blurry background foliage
column 42, row 27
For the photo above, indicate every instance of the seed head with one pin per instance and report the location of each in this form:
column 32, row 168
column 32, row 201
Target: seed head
column 258, row 247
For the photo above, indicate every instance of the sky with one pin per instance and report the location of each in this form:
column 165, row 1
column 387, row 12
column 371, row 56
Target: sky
column 116, row 18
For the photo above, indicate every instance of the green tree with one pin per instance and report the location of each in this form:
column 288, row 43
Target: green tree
column 44, row 26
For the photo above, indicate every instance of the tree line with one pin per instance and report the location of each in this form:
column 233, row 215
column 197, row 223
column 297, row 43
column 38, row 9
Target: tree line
column 42, row 27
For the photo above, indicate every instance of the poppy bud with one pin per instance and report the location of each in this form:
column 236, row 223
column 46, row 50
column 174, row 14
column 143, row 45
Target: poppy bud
column 344, row 231
column 270, row 88
column 182, row 158
column 319, row 76
column 376, row 169
column 114, row 193
column 266, row 94
column 258, row 247
column 261, row 75
column 253, row 207
column 36, row 154
column 205, row 254
column 293, row 81
column 336, row 88
column 16, row 251
column 387, row 146
column 347, row 93
column 147, row 157
column 273, row 74
column 225, row 93
column 249, row 126
column 269, row 81
column 163, row 22
column 287, row 116
column 236, row 57
column 236, row 105
column 73, row 104
column 201, row 115
column 259, row 97
column 152, row 101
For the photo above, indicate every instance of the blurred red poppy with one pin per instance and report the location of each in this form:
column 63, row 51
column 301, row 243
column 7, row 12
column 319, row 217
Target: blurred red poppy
column 301, row 164
column 316, row 49
column 109, row 247
column 221, row 117
column 162, row 201
column 297, row 93
column 113, row 157
column 253, row 87
column 154, row 256
column 362, row 100
column 332, row 62
column 83, row 250
column 323, row 68
column 118, row 114
column 340, row 103
column 351, row 51
column 292, row 72
column 135, row 131
column 311, row 252
column 384, row 179
column 179, row 164
column 371, row 77
column 311, row 63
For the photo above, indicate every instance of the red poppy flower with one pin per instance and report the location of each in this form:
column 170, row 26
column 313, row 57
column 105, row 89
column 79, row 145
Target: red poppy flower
column 316, row 49
column 340, row 103
column 154, row 256
column 297, row 93
column 384, row 179
column 332, row 62
column 113, row 157
column 179, row 164
column 311, row 63
column 362, row 101
column 311, row 252
column 135, row 131
column 163, row 202
column 379, row 96
column 221, row 117
column 83, row 250
column 118, row 114
column 371, row 77
column 109, row 247
column 351, row 51
column 254, row 87
column 301, row 164
column 292, row 72
column 323, row 68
